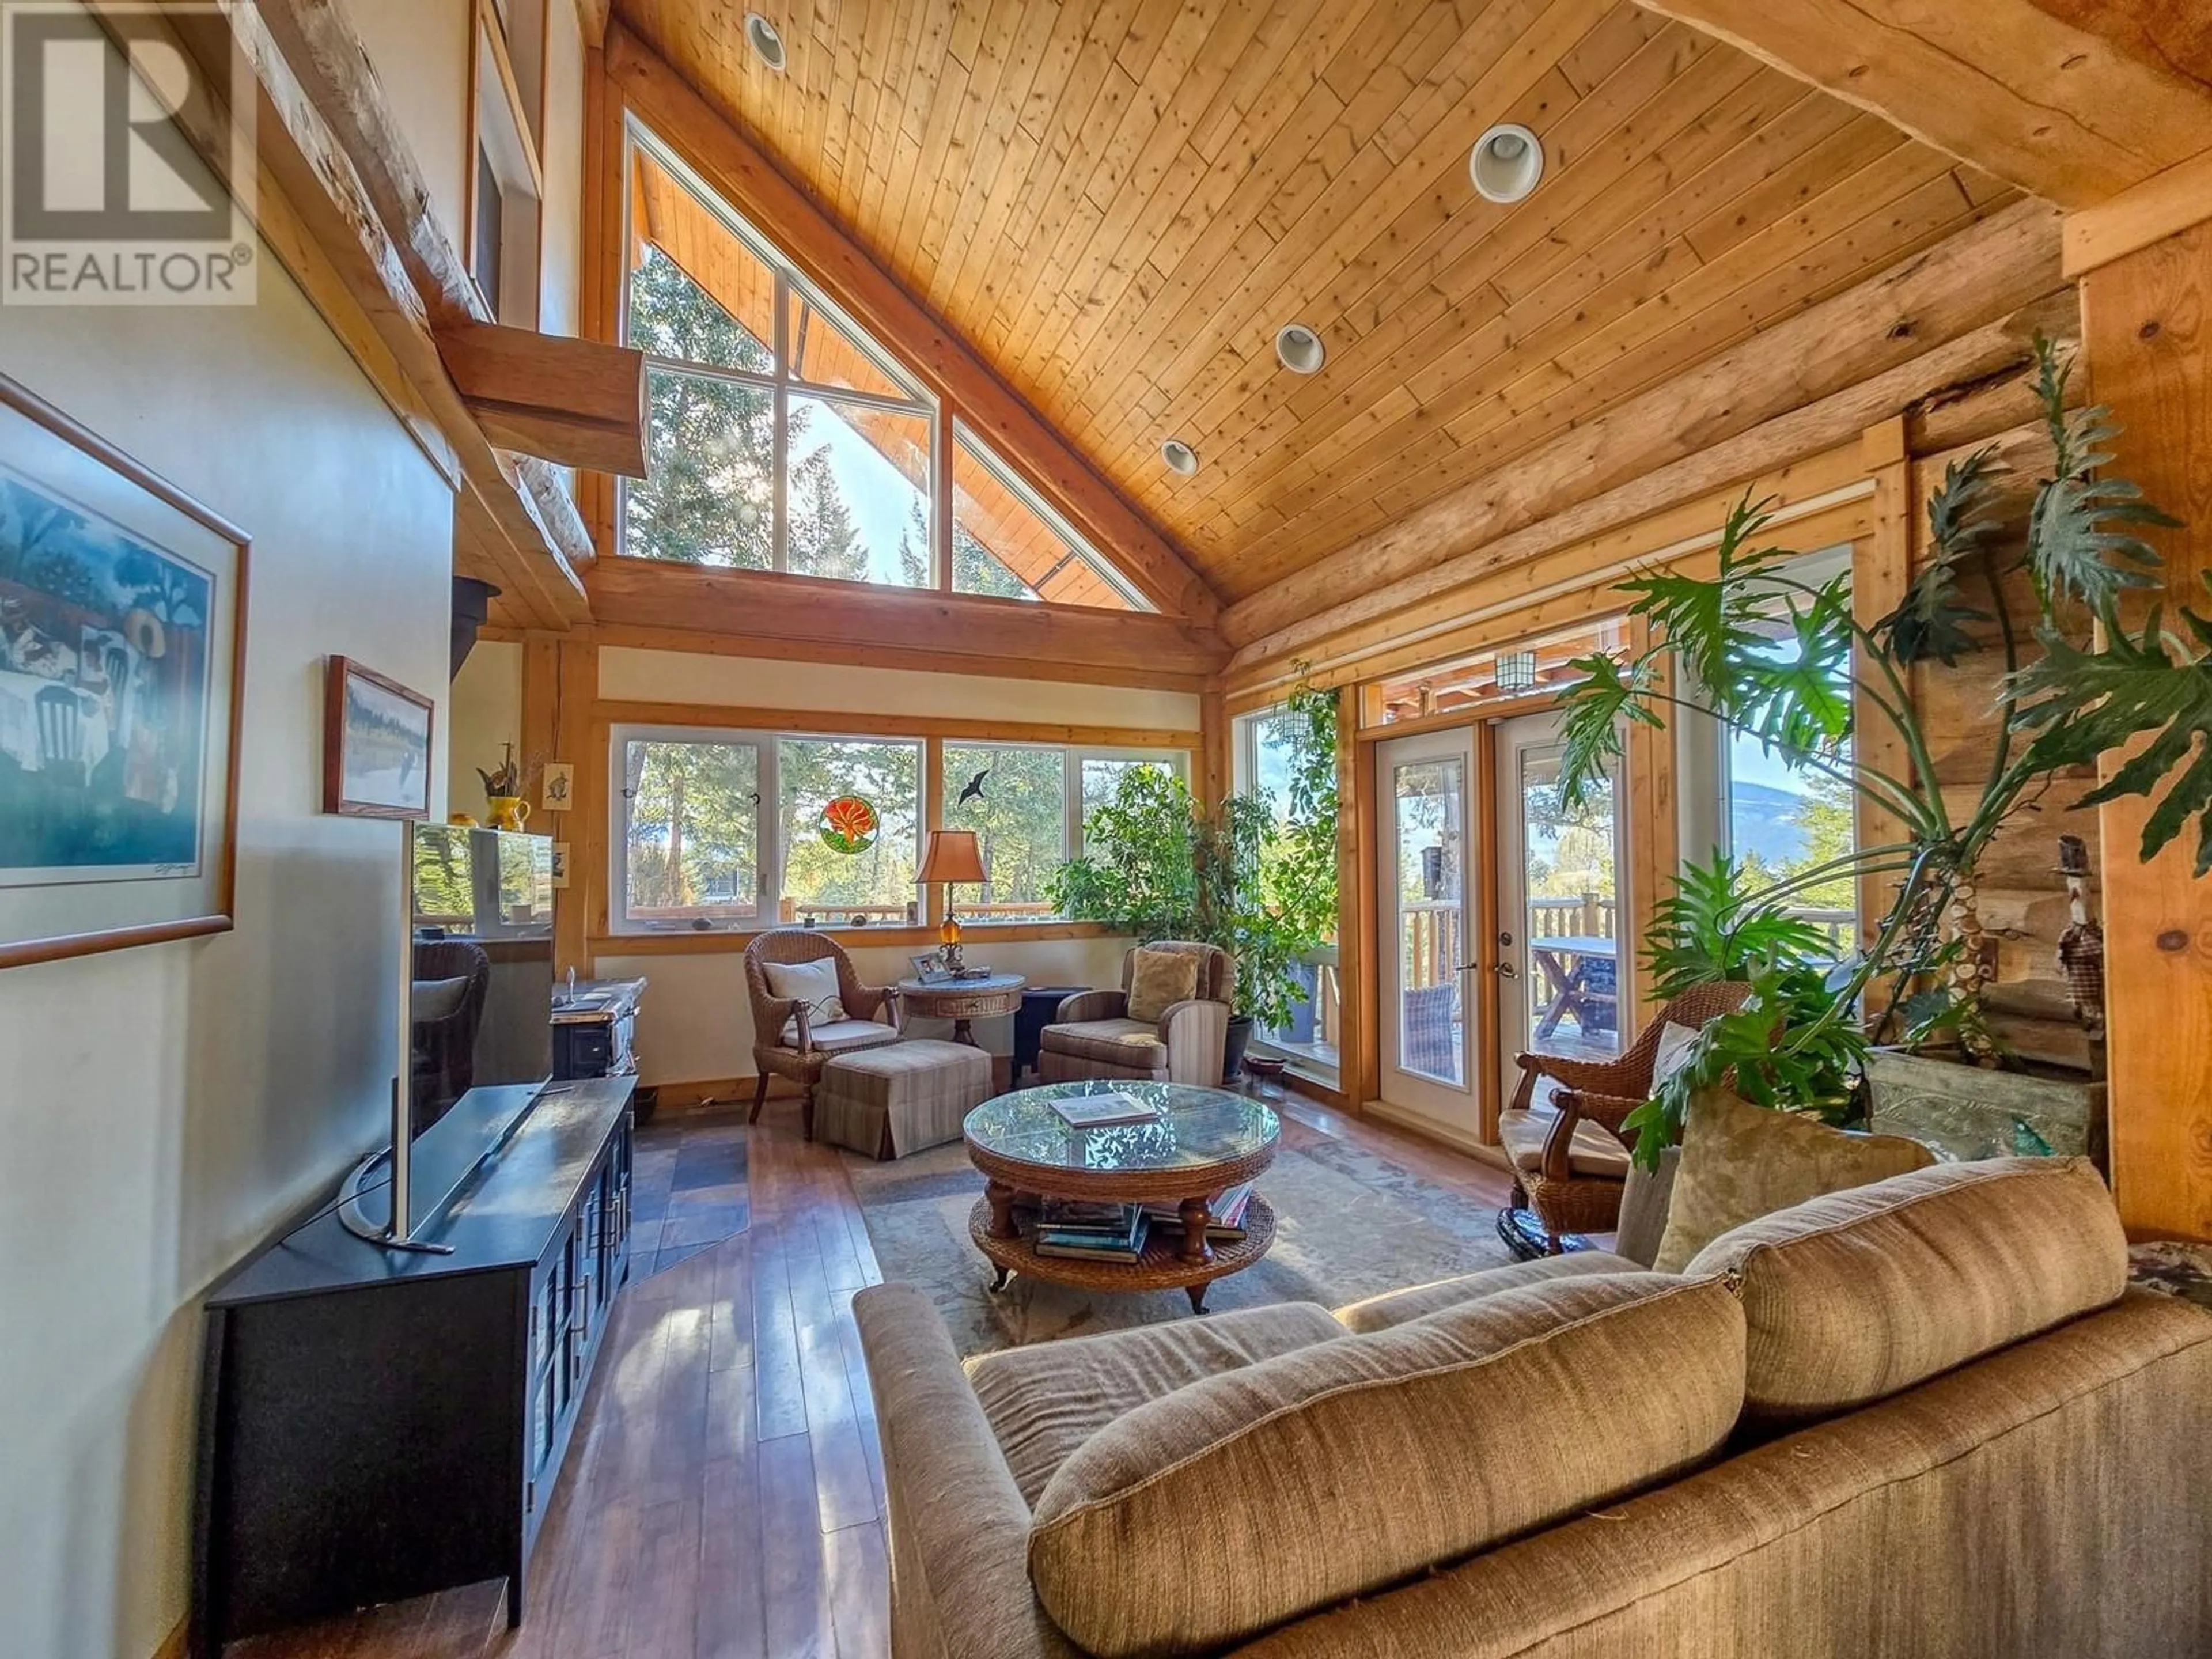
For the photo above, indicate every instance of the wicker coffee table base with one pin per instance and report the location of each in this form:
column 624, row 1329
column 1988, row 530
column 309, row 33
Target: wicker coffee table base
column 1162, row 1267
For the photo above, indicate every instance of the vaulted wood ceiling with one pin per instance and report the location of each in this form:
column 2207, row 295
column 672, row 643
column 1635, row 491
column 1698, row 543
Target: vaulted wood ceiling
column 1118, row 201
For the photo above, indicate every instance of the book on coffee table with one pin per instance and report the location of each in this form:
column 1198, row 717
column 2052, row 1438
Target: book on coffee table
column 1224, row 1217
column 1124, row 1243
column 1101, row 1111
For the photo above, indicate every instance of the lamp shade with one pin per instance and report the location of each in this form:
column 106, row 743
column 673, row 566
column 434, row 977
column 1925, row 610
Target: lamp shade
column 953, row 855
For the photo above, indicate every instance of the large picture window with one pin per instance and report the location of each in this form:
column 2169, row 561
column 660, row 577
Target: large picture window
column 717, row 830
column 781, row 437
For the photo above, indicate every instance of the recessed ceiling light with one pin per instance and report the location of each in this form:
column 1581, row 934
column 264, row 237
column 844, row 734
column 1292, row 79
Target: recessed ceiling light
column 1179, row 456
column 1507, row 162
column 1299, row 348
column 766, row 44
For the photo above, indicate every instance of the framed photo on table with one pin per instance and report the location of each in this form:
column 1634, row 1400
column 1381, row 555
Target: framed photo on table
column 122, row 656
column 377, row 742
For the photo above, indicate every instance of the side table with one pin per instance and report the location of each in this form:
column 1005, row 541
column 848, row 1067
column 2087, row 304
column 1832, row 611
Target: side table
column 963, row 1001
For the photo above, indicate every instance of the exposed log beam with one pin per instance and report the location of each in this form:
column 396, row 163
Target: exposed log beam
column 592, row 15
column 2015, row 86
column 955, row 633
column 326, row 61
column 333, row 237
column 962, row 382
column 1999, row 348
column 1981, row 275
column 575, row 402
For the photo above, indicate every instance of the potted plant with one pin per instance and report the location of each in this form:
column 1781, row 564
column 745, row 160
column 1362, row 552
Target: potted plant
column 2097, row 686
column 1155, row 867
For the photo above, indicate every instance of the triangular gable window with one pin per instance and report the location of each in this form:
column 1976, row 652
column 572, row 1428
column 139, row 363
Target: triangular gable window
column 781, row 437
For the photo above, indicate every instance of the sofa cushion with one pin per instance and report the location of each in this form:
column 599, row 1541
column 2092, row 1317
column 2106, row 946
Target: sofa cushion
column 1118, row 1042
column 1741, row 1161
column 1046, row 1400
column 1158, row 980
column 1595, row 1150
column 1196, row 1521
column 1393, row 1308
column 1853, row 1297
column 843, row 1037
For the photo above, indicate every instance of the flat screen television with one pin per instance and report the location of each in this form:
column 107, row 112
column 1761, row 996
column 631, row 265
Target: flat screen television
column 476, row 1043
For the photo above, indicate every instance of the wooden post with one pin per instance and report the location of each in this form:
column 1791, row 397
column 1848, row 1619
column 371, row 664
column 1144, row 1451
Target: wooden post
column 1355, row 961
column 1882, row 569
column 1216, row 780
column 1653, row 830
column 580, row 909
column 2147, row 331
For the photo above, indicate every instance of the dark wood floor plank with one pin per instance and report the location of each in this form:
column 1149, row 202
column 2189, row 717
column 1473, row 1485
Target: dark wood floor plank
column 796, row 1594
column 732, row 1590
column 859, row 1591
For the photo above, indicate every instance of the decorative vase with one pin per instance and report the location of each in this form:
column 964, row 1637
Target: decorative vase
column 508, row 811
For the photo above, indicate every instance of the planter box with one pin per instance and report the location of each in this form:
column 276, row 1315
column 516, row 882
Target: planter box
column 1962, row 1113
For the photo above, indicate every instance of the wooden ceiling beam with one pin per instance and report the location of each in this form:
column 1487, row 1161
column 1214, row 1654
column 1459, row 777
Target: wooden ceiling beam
column 2019, row 88
column 731, row 164
column 1986, row 273
column 1950, row 372
column 955, row 633
column 573, row 402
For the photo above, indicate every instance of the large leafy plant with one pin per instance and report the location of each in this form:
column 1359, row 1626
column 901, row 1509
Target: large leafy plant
column 2099, row 685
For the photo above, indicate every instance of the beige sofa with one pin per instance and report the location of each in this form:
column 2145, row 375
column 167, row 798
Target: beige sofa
column 1093, row 1036
column 1924, row 1416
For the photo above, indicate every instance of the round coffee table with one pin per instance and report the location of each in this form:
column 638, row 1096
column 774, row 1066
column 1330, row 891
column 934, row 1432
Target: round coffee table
column 963, row 1000
column 1204, row 1140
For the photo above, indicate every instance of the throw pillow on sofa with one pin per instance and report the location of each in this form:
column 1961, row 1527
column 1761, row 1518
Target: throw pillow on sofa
column 815, row 984
column 1157, row 981
column 1741, row 1161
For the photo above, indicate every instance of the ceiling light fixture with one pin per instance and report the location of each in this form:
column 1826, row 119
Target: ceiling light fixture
column 766, row 44
column 1179, row 456
column 1299, row 348
column 1507, row 163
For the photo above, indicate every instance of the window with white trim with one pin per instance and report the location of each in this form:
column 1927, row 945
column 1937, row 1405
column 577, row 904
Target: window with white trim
column 1026, row 803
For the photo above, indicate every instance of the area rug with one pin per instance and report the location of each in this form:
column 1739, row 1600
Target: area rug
column 1348, row 1224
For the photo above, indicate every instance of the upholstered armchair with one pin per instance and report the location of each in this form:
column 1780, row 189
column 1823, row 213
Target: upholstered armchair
column 788, row 1041
column 1570, row 1162
column 1094, row 1036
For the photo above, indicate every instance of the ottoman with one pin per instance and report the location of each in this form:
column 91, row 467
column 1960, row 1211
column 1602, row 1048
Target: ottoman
column 889, row 1102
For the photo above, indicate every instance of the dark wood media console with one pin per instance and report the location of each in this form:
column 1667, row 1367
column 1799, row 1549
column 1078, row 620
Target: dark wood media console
column 377, row 1425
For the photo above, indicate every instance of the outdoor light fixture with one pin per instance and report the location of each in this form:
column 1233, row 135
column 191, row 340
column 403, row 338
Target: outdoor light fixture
column 1516, row 670
column 766, row 44
column 1507, row 163
column 1299, row 348
column 1179, row 456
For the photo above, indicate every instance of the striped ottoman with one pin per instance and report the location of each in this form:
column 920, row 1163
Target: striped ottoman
column 889, row 1102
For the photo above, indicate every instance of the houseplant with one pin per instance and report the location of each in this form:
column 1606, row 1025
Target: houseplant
column 1156, row 866
column 2099, row 685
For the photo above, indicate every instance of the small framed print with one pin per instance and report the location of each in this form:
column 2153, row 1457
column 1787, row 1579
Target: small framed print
column 377, row 742
column 560, row 863
column 929, row 970
column 557, row 789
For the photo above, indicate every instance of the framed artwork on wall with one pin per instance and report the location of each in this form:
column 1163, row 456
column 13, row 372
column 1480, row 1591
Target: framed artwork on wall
column 377, row 742
column 122, row 655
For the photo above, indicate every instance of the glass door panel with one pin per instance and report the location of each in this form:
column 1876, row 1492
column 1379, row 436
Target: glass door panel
column 1563, row 966
column 1423, row 794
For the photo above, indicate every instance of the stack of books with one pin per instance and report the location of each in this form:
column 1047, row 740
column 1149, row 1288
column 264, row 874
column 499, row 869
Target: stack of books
column 1225, row 1214
column 1091, row 1233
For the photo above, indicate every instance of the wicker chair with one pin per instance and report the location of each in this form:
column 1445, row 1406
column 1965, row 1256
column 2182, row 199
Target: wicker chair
column 869, row 1022
column 1569, row 1169
column 1093, row 1036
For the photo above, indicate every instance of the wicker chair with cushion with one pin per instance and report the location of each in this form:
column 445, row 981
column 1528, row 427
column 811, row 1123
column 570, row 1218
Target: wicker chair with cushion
column 789, row 1041
column 1095, row 1037
column 1570, row 1165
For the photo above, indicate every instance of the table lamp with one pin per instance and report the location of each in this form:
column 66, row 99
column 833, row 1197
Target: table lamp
column 952, row 856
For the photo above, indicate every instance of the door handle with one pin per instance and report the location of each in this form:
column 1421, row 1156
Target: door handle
column 1507, row 971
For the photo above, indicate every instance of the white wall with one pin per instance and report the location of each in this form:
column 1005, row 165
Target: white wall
column 164, row 1108
column 560, row 305
column 420, row 51
column 487, row 716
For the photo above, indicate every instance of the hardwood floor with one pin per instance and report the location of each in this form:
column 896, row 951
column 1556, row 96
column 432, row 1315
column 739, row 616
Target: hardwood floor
column 724, row 1499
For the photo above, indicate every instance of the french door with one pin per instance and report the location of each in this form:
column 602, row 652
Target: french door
column 1563, row 956
column 1425, row 804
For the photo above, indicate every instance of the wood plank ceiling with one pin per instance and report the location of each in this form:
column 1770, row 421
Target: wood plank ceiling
column 1118, row 202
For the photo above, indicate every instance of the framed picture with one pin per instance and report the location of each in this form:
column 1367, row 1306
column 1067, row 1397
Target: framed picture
column 122, row 652
column 929, row 970
column 376, row 745
column 557, row 787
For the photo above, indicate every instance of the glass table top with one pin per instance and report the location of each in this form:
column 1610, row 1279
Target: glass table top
column 1197, row 1127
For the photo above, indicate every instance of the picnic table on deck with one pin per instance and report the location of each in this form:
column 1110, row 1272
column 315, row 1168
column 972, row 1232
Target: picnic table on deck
column 1565, row 962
